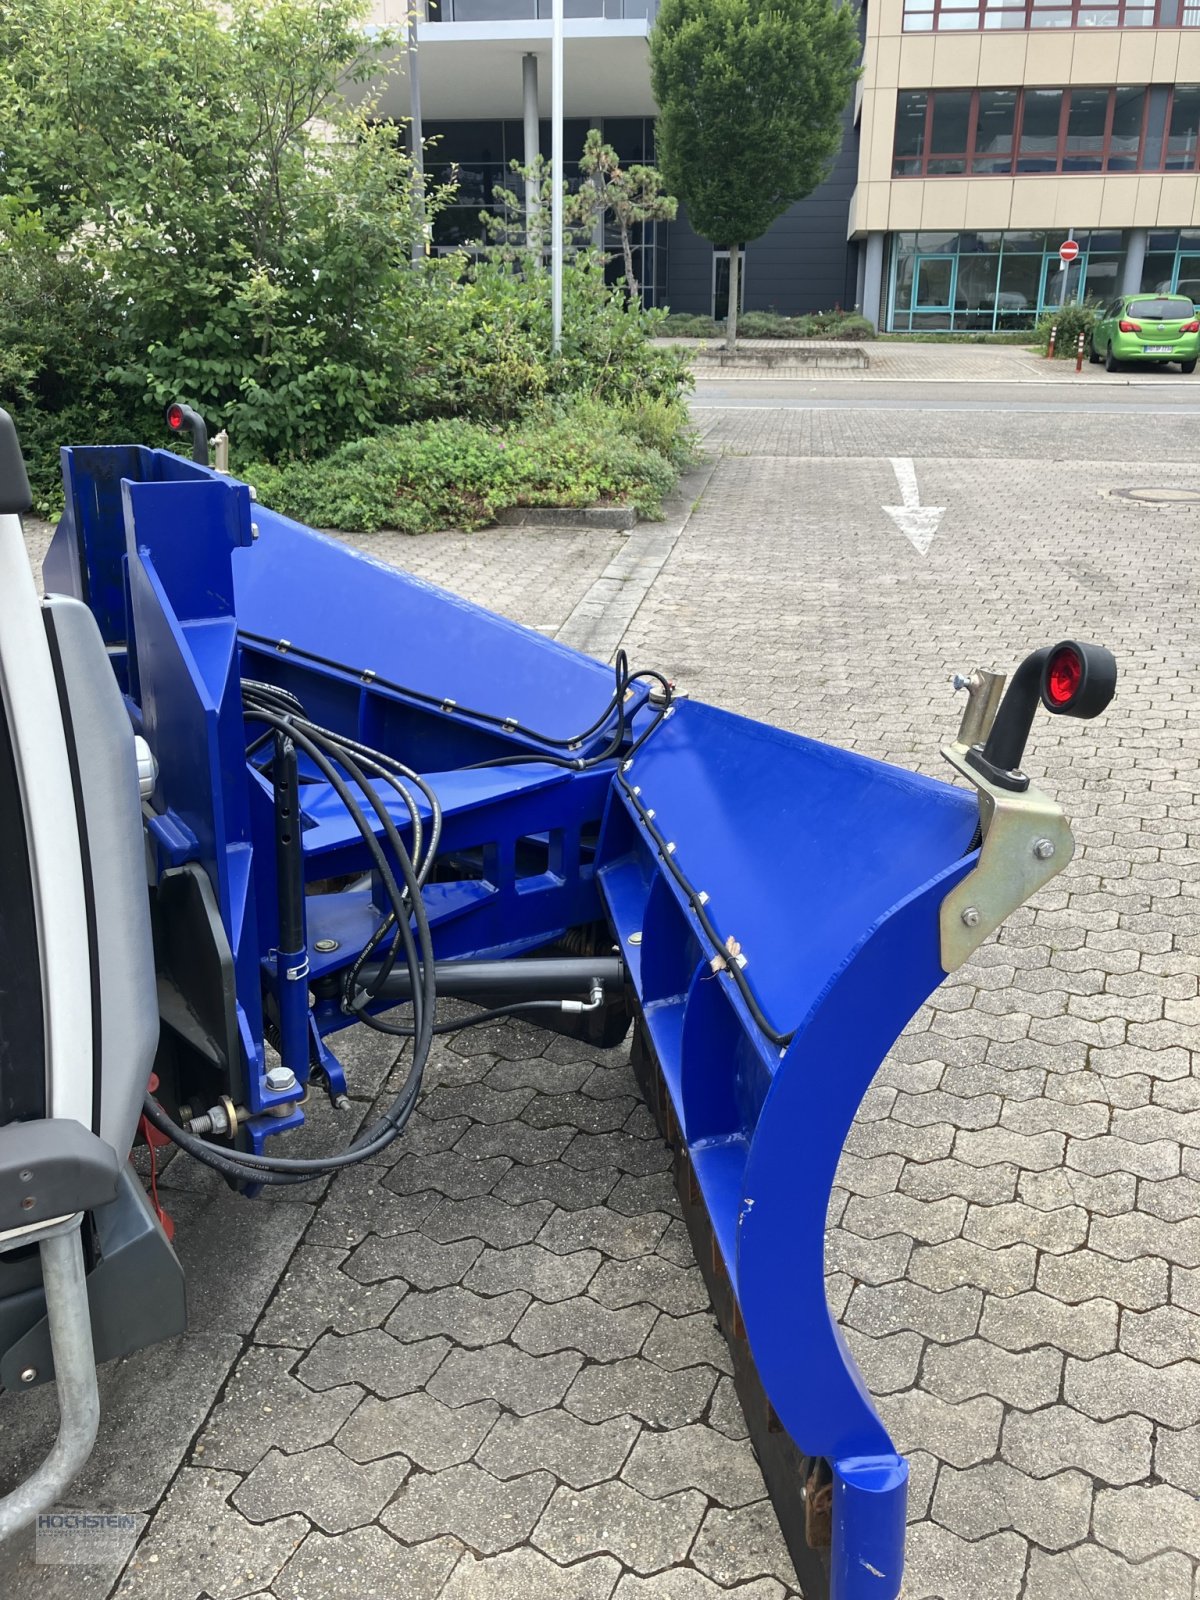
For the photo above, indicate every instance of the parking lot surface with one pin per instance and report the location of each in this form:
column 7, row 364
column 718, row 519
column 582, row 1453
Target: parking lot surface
column 485, row 1367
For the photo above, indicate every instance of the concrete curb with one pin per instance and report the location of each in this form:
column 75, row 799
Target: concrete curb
column 610, row 517
column 601, row 619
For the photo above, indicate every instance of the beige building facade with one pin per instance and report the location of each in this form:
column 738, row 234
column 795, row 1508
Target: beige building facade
column 991, row 132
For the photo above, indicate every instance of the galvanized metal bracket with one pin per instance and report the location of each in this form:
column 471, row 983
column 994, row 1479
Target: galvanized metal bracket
column 1027, row 839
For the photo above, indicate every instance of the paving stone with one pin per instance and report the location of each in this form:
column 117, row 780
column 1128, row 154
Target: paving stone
column 695, row 1457
column 484, row 1217
column 478, row 1101
column 380, row 1363
column 653, row 1192
column 419, row 1426
column 867, row 1260
column 543, row 1075
column 978, row 1111
column 867, row 1139
column 1058, row 1231
column 638, row 1157
column 1108, row 1195
column 1135, row 1234
column 1185, row 1288
column 1161, row 1337
column 676, row 1244
column 877, row 1175
column 999, row 1271
column 1158, row 1158
column 315, row 1295
column 546, row 1275
column 197, row 1543
column 688, row 1341
column 335, row 1493
column 1084, row 1275
column 583, row 1324
column 1173, row 1199
column 961, row 1433
column 471, row 1319
column 1140, row 1522
column 1082, row 1119
column 940, row 1565
column 639, row 1388
column 1044, row 1442
column 1113, row 1384
column 652, row 1280
column 529, row 1575
column 889, row 1363
column 932, row 1221
column 612, row 1232
column 358, row 1202
column 521, row 1382
column 1090, row 1571
column 725, row 1412
column 1035, row 1152
column 516, row 1141
column 449, row 1174
column 934, row 1180
column 486, row 1513
column 562, row 1186
column 946, row 1316
column 1021, row 1321
column 993, row 1497
column 736, row 1546
column 366, row 1564
column 1177, row 1457
column 264, row 1405
column 579, row 1453
column 685, row 1583
column 412, row 1258
column 612, row 1518
column 583, row 1111
column 976, row 1367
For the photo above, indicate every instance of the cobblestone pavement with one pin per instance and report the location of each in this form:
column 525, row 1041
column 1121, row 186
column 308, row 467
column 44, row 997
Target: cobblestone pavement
column 485, row 1368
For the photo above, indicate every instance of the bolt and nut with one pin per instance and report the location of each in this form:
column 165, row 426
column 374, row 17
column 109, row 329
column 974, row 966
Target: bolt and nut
column 325, row 946
column 280, row 1079
column 1043, row 849
column 970, row 917
column 29, row 1375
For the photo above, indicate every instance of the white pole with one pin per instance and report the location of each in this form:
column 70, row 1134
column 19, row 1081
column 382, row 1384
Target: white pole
column 556, row 162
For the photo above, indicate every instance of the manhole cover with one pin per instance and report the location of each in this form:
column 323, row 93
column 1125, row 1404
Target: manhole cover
column 1158, row 497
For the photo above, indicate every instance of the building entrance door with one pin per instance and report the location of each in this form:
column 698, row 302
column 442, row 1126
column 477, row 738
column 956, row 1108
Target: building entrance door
column 933, row 287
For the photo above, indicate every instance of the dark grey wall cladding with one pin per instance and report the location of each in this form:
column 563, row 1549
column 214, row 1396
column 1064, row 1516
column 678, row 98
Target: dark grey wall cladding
column 802, row 263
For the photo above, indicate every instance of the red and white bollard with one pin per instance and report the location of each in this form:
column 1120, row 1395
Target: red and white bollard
column 1079, row 355
column 1053, row 341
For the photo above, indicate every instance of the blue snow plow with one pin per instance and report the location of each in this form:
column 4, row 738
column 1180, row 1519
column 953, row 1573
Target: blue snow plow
column 361, row 795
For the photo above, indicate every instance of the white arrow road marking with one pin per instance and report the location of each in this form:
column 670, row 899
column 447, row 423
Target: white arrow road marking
column 916, row 522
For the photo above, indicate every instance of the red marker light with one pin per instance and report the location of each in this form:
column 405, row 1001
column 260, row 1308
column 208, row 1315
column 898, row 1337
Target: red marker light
column 175, row 418
column 1063, row 677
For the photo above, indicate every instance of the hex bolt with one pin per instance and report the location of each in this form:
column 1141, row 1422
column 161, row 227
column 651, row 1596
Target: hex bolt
column 325, row 946
column 29, row 1375
column 341, row 1102
column 1043, row 849
column 280, row 1079
column 970, row 917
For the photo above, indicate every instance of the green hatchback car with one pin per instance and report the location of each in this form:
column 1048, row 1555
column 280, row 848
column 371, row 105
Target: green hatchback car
column 1148, row 327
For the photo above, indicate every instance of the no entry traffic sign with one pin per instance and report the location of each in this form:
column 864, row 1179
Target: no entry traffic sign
column 1067, row 251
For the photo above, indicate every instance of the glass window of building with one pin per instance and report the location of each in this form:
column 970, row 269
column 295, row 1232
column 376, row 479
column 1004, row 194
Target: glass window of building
column 911, row 117
column 996, row 119
column 1183, row 128
column 925, row 16
column 1041, row 120
column 1125, row 136
column 950, row 133
column 1087, row 123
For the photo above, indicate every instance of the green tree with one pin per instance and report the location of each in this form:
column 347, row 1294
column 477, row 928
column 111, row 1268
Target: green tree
column 241, row 228
column 751, row 95
column 631, row 195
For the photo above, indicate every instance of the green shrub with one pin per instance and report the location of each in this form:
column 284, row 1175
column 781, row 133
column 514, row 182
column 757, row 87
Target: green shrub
column 1071, row 321
column 690, row 325
column 451, row 472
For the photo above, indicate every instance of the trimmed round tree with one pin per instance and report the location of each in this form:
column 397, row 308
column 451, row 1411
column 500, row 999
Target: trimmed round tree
column 751, row 95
